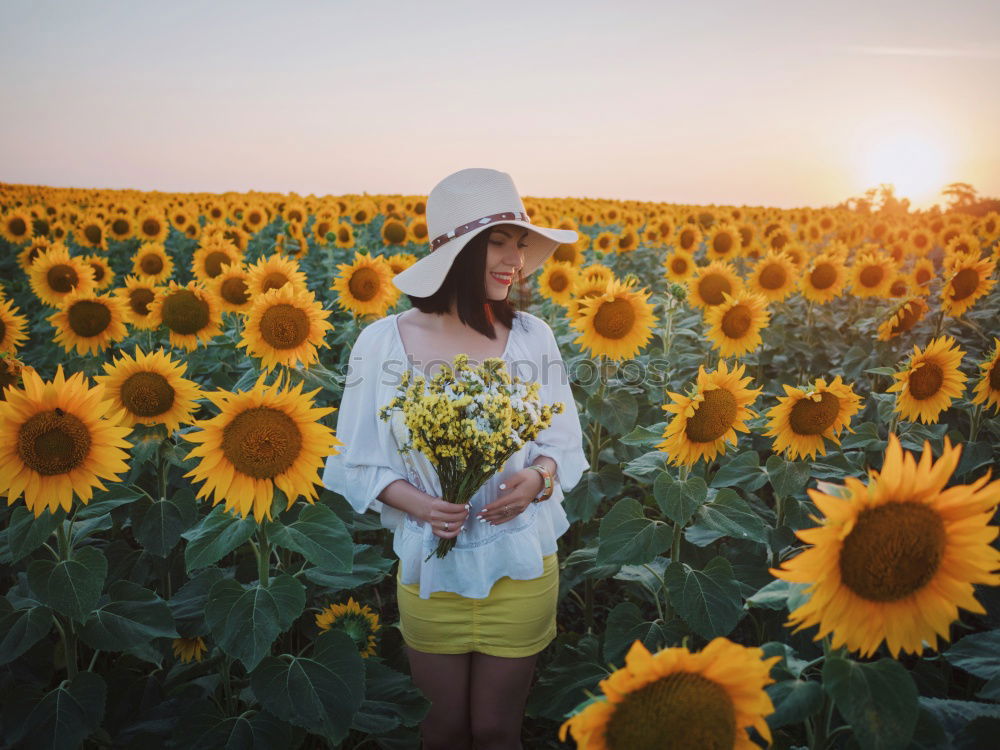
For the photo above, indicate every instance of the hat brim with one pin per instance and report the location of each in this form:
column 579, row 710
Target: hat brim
column 425, row 276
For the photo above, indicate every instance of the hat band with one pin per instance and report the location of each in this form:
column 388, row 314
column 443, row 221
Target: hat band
column 492, row 218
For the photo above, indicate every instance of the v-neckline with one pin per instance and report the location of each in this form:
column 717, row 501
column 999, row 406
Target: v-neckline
column 406, row 356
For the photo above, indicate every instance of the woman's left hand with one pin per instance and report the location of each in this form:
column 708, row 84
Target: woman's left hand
column 517, row 492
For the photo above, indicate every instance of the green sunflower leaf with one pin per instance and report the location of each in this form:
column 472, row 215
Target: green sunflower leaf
column 320, row 693
column 878, row 700
column 71, row 587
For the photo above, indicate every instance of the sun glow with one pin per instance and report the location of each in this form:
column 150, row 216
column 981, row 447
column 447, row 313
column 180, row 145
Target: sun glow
column 916, row 164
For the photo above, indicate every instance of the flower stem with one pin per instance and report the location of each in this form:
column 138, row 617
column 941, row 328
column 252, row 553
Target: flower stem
column 263, row 551
column 974, row 419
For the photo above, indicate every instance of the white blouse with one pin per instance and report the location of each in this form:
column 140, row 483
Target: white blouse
column 370, row 460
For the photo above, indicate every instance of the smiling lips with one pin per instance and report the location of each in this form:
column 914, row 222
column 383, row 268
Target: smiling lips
column 503, row 278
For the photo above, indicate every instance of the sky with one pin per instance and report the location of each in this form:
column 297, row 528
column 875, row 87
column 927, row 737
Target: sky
column 729, row 103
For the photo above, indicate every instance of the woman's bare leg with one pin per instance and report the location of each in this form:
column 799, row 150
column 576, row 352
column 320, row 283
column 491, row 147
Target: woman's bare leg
column 498, row 692
column 444, row 680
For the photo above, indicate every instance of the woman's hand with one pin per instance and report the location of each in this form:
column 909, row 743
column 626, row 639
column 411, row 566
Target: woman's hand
column 446, row 518
column 518, row 490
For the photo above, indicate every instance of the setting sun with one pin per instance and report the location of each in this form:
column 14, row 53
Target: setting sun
column 917, row 165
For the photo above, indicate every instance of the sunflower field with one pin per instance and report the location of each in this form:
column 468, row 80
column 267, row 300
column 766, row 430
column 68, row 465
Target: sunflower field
column 787, row 535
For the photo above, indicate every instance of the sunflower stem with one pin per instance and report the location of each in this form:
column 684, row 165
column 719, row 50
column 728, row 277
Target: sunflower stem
column 595, row 441
column 263, row 551
column 974, row 419
column 69, row 646
column 64, row 537
column 227, row 688
column 938, row 325
column 675, row 546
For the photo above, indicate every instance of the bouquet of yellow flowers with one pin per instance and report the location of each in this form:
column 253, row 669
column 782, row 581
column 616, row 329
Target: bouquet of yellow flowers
column 468, row 421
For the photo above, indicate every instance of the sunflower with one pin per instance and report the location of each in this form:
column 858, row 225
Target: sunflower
column 930, row 381
column 585, row 289
column 151, row 226
column 11, row 371
column 209, row 260
column 987, row 390
column 922, row 241
column 723, row 242
column 900, row 285
column 399, row 262
column 181, row 218
column 189, row 649
column 616, row 323
column 321, row 228
column 263, row 438
column 284, row 327
column 103, row 275
column 963, row 244
column 255, row 218
column 62, row 439
column 152, row 263
column 969, row 279
column 230, row 288
column 824, row 280
column 54, row 275
column 688, row 238
column 121, row 227
column 678, row 265
column 16, row 226
column 894, row 559
column 89, row 322
column 734, row 326
column 394, row 233
column 871, row 275
column 273, row 272
column 418, row 231
column 708, row 285
column 573, row 252
column 364, row 287
column 605, row 242
column 707, row 419
column 358, row 622
column 31, row 252
column 150, row 389
column 804, row 416
column 596, row 272
column 137, row 295
column 344, row 237
column 904, row 316
column 12, row 327
column 774, row 276
column 190, row 314
column 557, row 280
column 922, row 275
column 627, row 241
column 236, row 235
column 92, row 233
column 677, row 699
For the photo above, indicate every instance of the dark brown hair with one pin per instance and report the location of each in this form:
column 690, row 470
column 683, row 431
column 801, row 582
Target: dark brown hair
column 465, row 283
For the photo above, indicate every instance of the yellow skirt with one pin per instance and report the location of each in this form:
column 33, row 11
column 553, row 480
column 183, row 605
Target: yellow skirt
column 518, row 618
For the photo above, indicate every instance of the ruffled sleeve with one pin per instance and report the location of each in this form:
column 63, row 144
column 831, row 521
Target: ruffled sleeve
column 369, row 460
column 561, row 441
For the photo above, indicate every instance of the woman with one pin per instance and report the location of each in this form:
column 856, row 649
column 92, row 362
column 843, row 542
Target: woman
column 474, row 621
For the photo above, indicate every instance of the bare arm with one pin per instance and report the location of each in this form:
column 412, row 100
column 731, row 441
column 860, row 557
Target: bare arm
column 433, row 510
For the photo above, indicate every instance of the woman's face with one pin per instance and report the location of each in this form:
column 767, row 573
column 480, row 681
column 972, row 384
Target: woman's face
column 504, row 257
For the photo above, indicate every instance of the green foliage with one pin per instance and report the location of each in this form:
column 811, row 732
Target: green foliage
column 319, row 693
column 245, row 621
column 94, row 598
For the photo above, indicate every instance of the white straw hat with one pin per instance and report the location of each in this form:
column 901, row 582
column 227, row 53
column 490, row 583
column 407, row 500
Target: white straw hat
column 461, row 206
